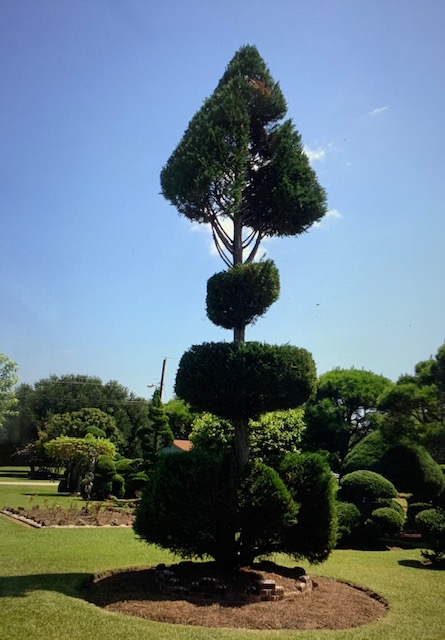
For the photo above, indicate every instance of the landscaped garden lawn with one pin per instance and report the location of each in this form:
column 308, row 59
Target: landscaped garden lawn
column 42, row 571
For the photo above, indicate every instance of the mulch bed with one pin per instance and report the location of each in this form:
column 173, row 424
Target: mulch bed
column 87, row 516
column 330, row 605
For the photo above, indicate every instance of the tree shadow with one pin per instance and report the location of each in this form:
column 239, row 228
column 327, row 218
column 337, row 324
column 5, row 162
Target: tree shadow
column 70, row 584
column 422, row 564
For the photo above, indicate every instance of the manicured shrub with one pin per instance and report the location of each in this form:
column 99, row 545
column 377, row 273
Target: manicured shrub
column 409, row 466
column 414, row 508
column 387, row 521
column 245, row 379
column 103, row 478
column 312, row 486
column 349, row 518
column 135, row 483
column 96, row 432
column 124, row 466
column 118, row 485
column 185, row 507
column 240, row 295
column 265, row 510
column 366, row 490
column 431, row 524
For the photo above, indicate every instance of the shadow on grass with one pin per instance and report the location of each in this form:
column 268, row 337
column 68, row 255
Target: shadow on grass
column 51, row 495
column 70, row 584
column 423, row 564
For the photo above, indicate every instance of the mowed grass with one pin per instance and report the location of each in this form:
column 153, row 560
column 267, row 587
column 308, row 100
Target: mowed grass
column 42, row 572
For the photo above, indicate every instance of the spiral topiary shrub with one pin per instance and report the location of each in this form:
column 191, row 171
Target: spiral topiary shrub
column 245, row 379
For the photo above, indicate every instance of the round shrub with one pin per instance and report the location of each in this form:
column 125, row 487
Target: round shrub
column 414, row 508
column 239, row 296
column 245, row 379
column 348, row 515
column 365, row 489
column 431, row 524
column 387, row 521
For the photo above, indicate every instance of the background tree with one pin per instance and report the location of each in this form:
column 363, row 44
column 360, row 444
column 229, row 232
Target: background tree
column 77, row 424
column 344, row 410
column 76, row 455
column 415, row 407
column 70, row 393
column 157, row 433
column 180, row 417
column 8, row 379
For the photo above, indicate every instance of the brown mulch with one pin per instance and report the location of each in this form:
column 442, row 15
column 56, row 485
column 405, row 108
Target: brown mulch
column 330, row 605
column 94, row 515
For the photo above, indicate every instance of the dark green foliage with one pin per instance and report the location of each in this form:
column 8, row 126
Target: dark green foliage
column 157, row 434
column 236, row 161
column 365, row 489
column 124, row 466
column 135, row 483
column 376, row 513
column 185, row 507
column 104, row 472
column 69, row 394
column 414, row 508
column 431, row 524
column 312, row 486
column 118, row 485
column 349, row 518
column 344, row 410
column 242, row 294
column 387, row 521
column 266, row 510
column 242, row 380
column 189, row 508
column 409, row 466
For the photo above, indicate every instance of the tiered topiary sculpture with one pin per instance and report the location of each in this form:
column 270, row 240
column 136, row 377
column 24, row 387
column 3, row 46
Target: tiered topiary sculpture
column 243, row 172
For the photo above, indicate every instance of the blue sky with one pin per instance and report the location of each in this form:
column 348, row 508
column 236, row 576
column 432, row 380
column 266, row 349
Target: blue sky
column 99, row 275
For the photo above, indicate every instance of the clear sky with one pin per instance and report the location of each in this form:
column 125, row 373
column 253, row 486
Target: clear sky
column 99, row 275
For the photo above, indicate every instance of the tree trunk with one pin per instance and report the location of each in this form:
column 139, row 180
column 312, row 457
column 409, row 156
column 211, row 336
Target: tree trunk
column 239, row 334
column 241, row 442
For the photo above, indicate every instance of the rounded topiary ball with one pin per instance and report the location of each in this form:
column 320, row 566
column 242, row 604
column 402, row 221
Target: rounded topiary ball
column 245, row 379
column 242, row 294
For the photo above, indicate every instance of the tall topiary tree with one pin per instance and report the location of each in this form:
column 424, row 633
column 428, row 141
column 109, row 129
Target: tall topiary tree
column 243, row 171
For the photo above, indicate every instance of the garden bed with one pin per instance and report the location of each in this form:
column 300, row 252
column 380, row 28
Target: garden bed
column 329, row 605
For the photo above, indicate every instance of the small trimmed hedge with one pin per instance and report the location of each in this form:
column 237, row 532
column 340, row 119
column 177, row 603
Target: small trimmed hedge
column 431, row 524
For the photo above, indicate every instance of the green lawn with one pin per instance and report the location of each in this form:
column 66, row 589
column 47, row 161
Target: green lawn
column 43, row 570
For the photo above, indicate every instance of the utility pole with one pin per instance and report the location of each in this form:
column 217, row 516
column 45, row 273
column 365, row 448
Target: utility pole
column 161, row 387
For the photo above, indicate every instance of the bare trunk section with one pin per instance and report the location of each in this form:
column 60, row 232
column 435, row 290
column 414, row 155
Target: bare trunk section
column 241, row 442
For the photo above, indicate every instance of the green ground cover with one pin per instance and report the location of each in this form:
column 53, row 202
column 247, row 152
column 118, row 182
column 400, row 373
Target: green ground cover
column 41, row 572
